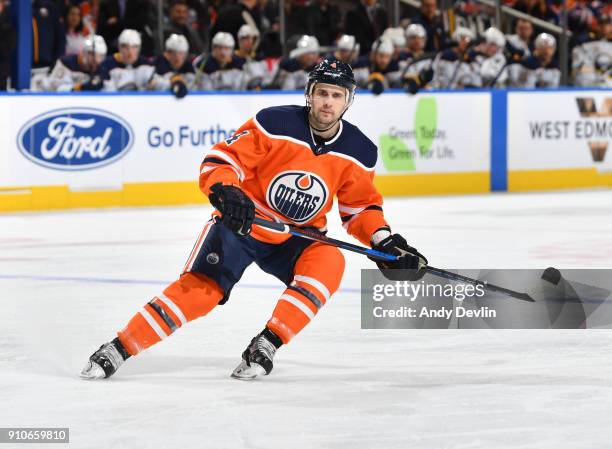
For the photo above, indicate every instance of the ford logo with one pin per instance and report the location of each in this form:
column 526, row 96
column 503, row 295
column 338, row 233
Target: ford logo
column 75, row 139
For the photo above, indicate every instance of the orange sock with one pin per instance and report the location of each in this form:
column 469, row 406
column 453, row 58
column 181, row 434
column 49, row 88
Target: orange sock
column 186, row 299
column 318, row 273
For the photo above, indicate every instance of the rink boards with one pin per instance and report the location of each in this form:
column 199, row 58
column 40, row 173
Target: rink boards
column 101, row 150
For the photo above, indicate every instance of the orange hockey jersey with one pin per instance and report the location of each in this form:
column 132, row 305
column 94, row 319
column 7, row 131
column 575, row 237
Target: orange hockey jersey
column 276, row 161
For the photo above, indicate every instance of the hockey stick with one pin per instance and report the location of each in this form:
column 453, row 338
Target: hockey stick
column 318, row 237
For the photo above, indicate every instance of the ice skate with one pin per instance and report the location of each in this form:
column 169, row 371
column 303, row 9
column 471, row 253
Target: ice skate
column 105, row 361
column 257, row 357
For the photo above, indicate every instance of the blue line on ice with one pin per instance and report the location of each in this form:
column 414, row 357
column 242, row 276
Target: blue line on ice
column 133, row 281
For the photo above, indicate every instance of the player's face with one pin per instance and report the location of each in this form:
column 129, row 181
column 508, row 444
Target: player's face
column 222, row 54
column 607, row 31
column 176, row 59
column 92, row 60
column 382, row 60
column 546, row 52
column 491, row 49
column 129, row 53
column 416, row 44
column 327, row 104
column 463, row 43
column 246, row 43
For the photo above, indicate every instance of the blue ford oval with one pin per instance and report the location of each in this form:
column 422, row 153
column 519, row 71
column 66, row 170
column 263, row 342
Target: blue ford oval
column 75, row 139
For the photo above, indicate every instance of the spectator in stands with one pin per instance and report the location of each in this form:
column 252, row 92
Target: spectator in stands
column 255, row 66
column 347, row 49
column 429, row 17
column 201, row 12
column 8, row 40
column 491, row 58
column 173, row 71
column 222, row 69
column 379, row 70
column 48, row 35
column 292, row 73
column 178, row 16
column 366, row 22
column 78, row 72
column 537, row 8
column 74, row 30
column 592, row 61
column 538, row 70
column 269, row 33
column 455, row 67
column 128, row 69
column 322, row 20
column 116, row 15
column 581, row 21
column 521, row 39
column 295, row 21
column 233, row 15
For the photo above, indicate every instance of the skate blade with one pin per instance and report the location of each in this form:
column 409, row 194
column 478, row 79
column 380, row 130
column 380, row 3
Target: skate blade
column 246, row 372
column 92, row 371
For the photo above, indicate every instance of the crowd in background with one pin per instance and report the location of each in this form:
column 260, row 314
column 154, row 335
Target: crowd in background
column 234, row 45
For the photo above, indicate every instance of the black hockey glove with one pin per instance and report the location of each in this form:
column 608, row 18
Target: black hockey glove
column 376, row 83
column 411, row 262
column 178, row 87
column 414, row 82
column 237, row 209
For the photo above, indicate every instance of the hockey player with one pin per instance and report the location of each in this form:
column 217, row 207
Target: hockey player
column 221, row 70
column 456, row 68
column 82, row 72
column 172, row 69
column 398, row 37
column 491, row 59
column 292, row 73
column 592, row 61
column 255, row 67
column 347, row 49
column 416, row 68
column 286, row 164
column 538, row 70
column 127, row 70
column 378, row 71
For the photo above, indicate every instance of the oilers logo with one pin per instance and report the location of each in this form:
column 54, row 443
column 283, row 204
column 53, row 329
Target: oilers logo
column 297, row 195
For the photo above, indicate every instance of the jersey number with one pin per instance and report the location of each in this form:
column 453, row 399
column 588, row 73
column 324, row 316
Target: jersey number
column 235, row 137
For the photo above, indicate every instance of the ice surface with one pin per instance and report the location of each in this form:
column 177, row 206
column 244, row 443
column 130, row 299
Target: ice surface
column 69, row 280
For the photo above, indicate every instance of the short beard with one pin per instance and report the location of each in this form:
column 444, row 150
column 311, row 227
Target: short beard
column 323, row 124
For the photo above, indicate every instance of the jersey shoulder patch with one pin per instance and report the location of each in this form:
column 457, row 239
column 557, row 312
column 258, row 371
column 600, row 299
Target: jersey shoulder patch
column 356, row 145
column 285, row 121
